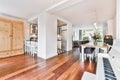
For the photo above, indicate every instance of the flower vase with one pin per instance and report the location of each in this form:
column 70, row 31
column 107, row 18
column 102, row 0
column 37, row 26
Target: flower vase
column 95, row 42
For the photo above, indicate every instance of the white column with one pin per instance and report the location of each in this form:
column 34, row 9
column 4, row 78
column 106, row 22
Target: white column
column 51, row 35
column 118, row 20
column 47, row 35
column 42, row 36
column 69, row 36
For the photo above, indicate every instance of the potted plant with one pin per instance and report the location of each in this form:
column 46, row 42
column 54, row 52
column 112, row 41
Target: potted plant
column 96, row 38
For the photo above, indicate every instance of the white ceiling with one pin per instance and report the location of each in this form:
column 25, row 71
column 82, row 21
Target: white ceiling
column 76, row 11
column 86, row 11
column 25, row 8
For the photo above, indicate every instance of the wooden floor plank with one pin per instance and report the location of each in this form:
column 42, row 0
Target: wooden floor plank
column 66, row 66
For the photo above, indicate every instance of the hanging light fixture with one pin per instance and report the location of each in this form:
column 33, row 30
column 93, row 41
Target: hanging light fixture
column 95, row 22
column 95, row 25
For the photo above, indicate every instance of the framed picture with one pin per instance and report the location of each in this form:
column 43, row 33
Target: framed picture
column 33, row 29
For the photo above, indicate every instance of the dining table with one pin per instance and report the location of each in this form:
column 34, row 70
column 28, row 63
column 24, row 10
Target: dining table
column 91, row 44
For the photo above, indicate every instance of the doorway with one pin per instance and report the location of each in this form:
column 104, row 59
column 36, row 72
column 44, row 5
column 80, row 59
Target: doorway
column 61, row 37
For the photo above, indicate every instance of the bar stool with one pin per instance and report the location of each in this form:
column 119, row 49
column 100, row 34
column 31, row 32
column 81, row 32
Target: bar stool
column 33, row 48
column 27, row 47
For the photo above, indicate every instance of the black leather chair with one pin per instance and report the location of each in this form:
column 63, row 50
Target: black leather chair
column 88, row 51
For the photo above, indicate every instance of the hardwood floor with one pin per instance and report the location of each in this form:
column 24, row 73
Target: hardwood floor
column 65, row 66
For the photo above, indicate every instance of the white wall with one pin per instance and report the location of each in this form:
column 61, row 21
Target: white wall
column 114, row 27
column 41, row 36
column 69, row 37
column 88, row 28
column 75, row 35
column 12, row 18
column 110, row 27
column 51, row 35
column 81, row 27
column 118, row 19
column 47, row 35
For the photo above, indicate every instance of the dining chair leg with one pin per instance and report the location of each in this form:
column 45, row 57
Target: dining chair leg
column 90, row 58
column 85, row 56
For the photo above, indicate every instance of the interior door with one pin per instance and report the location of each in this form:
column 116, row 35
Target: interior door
column 18, row 32
column 5, row 35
